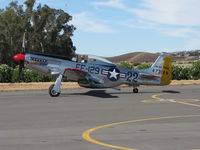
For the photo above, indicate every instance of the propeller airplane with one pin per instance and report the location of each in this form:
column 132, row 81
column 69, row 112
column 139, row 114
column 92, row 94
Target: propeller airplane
column 95, row 72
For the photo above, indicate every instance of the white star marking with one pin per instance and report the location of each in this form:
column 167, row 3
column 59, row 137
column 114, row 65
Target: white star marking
column 113, row 74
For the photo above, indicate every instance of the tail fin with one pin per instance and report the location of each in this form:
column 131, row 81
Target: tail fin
column 163, row 67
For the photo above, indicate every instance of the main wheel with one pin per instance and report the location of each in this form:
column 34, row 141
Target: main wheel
column 53, row 93
column 135, row 90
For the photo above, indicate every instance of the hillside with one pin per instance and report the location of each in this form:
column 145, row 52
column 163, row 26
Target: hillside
column 134, row 57
column 141, row 57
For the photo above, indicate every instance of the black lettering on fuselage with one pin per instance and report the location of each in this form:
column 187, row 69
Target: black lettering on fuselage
column 90, row 69
column 38, row 59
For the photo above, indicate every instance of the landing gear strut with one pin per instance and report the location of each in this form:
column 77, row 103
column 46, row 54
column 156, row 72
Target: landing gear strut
column 54, row 89
column 135, row 85
column 135, row 90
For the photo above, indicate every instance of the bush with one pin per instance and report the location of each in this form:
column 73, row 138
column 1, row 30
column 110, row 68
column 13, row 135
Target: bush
column 136, row 64
column 186, row 73
column 125, row 65
column 181, row 73
column 195, row 70
column 144, row 66
column 33, row 76
column 176, row 72
column 15, row 74
column 5, row 73
column 9, row 74
column 128, row 65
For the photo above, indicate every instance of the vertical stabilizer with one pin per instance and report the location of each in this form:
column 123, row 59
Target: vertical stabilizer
column 163, row 67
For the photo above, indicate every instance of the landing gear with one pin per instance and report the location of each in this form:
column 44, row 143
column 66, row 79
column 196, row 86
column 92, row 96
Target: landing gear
column 135, row 85
column 54, row 89
column 52, row 92
column 135, row 90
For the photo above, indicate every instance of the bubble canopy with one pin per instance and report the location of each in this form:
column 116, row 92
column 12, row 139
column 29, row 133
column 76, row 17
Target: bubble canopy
column 93, row 58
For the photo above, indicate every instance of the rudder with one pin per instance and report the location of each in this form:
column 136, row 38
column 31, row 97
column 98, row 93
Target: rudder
column 166, row 76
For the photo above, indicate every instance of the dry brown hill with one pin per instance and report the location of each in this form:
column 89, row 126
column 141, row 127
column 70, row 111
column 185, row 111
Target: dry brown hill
column 141, row 57
column 134, row 57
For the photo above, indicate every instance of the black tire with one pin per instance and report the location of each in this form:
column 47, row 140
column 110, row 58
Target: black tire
column 135, row 90
column 53, row 93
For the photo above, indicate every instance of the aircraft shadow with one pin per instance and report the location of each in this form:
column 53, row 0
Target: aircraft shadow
column 95, row 93
column 104, row 94
column 170, row 91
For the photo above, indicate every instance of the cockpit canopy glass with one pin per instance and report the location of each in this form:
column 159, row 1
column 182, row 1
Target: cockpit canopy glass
column 93, row 58
column 90, row 58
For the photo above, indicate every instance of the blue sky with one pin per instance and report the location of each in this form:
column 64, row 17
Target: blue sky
column 115, row 27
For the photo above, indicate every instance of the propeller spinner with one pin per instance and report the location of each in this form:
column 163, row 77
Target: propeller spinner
column 19, row 57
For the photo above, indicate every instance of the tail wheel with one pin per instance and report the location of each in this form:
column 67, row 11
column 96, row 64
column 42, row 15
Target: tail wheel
column 135, row 90
column 52, row 92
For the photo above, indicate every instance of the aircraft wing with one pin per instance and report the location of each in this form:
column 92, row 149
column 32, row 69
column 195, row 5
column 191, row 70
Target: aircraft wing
column 80, row 75
column 73, row 74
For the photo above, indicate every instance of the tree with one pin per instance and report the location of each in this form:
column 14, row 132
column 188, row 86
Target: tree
column 46, row 30
column 10, row 32
column 50, row 32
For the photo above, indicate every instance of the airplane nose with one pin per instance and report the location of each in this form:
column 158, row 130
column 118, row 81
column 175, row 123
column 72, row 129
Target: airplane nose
column 19, row 57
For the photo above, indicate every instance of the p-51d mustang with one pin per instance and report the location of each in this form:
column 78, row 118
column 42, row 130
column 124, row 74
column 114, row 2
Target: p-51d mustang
column 96, row 72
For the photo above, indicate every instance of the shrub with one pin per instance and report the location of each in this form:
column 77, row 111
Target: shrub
column 9, row 74
column 144, row 66
column 136, row 64
column 5, row 73
column 33, row 76
column 195, row 70
column 181, row 73
column 126, row 65
column 185, row 73
column 15, row 74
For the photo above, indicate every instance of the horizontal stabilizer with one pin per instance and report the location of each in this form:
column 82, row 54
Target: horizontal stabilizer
column 148, row 76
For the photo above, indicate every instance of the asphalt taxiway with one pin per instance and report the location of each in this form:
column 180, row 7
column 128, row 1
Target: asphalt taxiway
column 157, row 118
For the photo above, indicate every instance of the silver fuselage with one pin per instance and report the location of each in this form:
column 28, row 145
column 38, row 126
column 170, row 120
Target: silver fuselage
column 106, row 74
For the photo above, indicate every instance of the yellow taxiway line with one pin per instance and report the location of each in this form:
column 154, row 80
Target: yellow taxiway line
column 155, row 97
column 158, row 98
column 190, row 104
column 86, row 134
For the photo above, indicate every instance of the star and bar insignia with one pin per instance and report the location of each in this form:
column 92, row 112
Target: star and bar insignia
column 113, row 74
